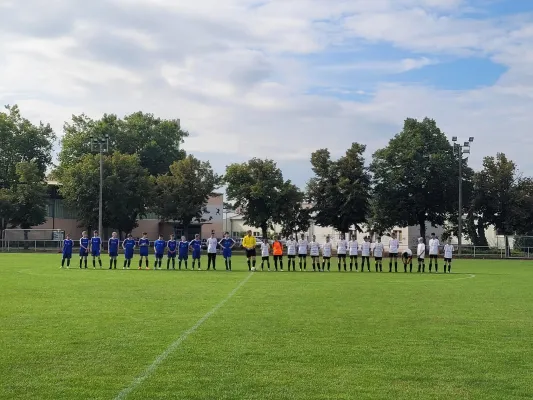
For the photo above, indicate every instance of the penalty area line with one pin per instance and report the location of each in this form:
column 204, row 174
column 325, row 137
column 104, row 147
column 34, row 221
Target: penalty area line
column 173, row 346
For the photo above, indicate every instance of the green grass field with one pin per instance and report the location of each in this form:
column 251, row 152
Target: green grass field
column 72, row 334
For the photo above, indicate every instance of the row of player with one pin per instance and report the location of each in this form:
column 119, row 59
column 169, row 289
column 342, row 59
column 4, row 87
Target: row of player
column 301, row 249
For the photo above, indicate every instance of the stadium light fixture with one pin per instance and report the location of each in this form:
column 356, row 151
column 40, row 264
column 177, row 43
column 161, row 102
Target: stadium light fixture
column 471, row 139
column 100, row 144
column 454, row 138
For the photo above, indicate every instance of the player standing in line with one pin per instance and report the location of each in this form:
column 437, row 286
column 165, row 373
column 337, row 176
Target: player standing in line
column 172, row 246
column 212, row 244
column 249, row 244
column 434, row 252
column 291, row 252
column 448, row 254
column 353, row 245
column 144, row 246
column 302, row 251
column 421, row 255
column 365, row 254
column 183, row 248
column 265, row 254
column 407, row 258
column 394, row 245
column 159, row 250
column 196, row 247
column 227, row 244
column 314, row 251
column 378, row 254
column 68, row 244
column 112, row 249
column 96, row 248
column 326, row 253
column 341, row 252
column 277, row 251
column 129, row 248
column 84, row 249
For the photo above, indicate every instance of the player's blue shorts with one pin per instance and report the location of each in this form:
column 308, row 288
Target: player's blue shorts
column 128, row 254
column 83, row 252
column 95, row 253
column 226, row 253
column 143, row 252
column 171, row 255
column 159, row 256
column 113, row 253
column 184, row 257
column 68, row 256
column 195, row 254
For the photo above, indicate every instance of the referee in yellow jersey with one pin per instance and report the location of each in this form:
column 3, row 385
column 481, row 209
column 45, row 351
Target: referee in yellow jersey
column 249, row 244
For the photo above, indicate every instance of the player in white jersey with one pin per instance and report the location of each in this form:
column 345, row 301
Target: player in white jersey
column 302, row 251
column 291, row 252
column 353, row 247
column 394, row 244
column 421, row 255
column 265, row 252
column 365, row 254
column 434, row 252
column 448, row 254
column 326, row 253
column 407, row 258
column 314, row 251
column 378, row 254
column 341, row 252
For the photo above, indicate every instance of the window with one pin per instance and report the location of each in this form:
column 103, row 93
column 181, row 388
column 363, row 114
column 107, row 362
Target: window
column 257, row 234
column 398, row 235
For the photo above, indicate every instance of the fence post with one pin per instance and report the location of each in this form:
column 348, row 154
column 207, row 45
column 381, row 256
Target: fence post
column 474, row 251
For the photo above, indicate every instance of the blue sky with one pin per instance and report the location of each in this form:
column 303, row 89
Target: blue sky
column 279, row 78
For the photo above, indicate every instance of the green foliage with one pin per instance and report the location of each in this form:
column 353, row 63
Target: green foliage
column 340, row 190
column 257, row 189
column 182, row 195
column 415, row 177
column 294, row 216
column 155, row 141
column 126, row 190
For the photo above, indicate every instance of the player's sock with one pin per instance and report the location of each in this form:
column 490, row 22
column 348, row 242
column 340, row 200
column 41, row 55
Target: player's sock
column 174, row 263
column 249, row 265
column 81, row 261
column 85, row 263
column 62, row 262
column 115, row 263
column 449, row 268
column 411, row 267
column 351, row 265
column 94, row 263
column 140, row 263
column 430, row 265
column 423, row 267
column 405, row 268
column 229, row 263
column 129, row 263
column 125, row 263
column 100, row 262
column 436, row 267
column 281, row 264
column 68, row 262
column 356, row 265
column 253, row 263
column 262, row 262
column 390, row 266
column 146, row 263
column 395, row 266
column 110, row 263
column 168, row 263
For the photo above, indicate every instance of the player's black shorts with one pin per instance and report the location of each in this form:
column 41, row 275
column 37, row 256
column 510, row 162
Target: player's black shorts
column 393, row 255
column 449, row 260
column 315, row 257
column 433, row 256
column 326, row 257
column 278, row 257
column 264, row 258
column 421, row 259
column 343, row 256
column 353, row 257
column 378, row 258
column 291, row 256
column 250, row 253
column 302, row 255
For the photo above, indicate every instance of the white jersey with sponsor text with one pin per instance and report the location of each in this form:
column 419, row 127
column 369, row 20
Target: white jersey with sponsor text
column 393, row 246
column 212, row 245
column 378, row 249
column 264, row 249
column 291, row 247
column 341, row 247
column 434, row 247
column 421, row 250
column 326, row 249
column 302, row 246
column 365, row 249
column 354, row 247
column 448, row 251
column 314, row 249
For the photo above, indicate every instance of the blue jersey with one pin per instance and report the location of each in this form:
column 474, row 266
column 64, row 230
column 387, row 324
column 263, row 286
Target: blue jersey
column 159, row 246
column 196, row 245
column 226, row 246
column 184, row 248
column 172, row 244
column 144, row 244
column 113, row 247
column 67, row 246
column 84, row 246
column 96, row 242
column 129, row 245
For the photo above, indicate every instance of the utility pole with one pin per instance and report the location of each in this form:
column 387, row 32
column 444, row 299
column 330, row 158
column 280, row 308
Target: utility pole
column 459, row 150
column 101, row 145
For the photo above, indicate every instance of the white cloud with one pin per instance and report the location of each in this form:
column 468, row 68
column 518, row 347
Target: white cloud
column 238, row 74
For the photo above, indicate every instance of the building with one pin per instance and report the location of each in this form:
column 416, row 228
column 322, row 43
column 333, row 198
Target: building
column 62, row 218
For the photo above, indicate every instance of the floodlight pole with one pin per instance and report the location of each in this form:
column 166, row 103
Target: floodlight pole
column 460, row 150
column 102, row 145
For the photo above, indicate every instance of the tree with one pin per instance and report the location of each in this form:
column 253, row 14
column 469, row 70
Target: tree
column 340, row 190
column 416, row 177
column 182, row 195
column 256, row 188
column 157, row 142
column 293, row 215
column 126, row 190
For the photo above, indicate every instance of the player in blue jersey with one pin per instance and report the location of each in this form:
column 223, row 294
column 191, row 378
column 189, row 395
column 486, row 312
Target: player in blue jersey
column 183, row 251
column 227, row 244
column 84, row 249
column 144, row 245
column 129, row 247
column 112, row 249
column 196, row 247
column 159, row 250
column 171, row 254
column 96, row 249
column 68, row 244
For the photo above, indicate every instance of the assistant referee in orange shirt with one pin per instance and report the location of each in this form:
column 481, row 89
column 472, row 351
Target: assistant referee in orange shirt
column 249, row 244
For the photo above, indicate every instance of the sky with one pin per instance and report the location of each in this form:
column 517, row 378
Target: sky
column 279, row 78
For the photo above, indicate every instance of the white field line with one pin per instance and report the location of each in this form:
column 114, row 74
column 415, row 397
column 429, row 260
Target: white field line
column 173, row 346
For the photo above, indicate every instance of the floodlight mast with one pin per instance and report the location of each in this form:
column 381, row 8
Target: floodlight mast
column 460, row 150
column 101, row 145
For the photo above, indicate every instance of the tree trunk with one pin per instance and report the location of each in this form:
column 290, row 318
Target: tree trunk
column 422, row 223
column 186, row 231
column 481, row 237
column 507, row 248
column 264, row 230
column 26, row 244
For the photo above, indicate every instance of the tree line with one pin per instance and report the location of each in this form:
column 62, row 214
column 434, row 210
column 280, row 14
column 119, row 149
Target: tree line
column 412, row 181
